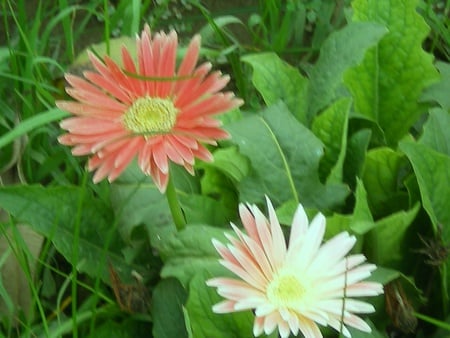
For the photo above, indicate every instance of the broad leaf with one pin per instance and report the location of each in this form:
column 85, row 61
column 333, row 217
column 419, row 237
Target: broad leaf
column 78, row 224
column 285, row 157
column 138, row 202
column 436, row 133
column 433, row 175
column 381, row 177
column 438, row 92
column 276, row 80
column 388, row 84
column 189, row 251
column 204, row 209
column 129, row 328
column 331, row 128
column 341, row 50
column 230, row 162
column 168, row 301
column 362, row 220
column 205, row 323
column 385, row 243
column 356, row 155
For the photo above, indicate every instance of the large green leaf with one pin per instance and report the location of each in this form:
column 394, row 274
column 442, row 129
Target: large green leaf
column 285, row 157
column 358, row 144
column 342, row 49
column 438, row 92
column 381, row 177
column 362, row 220
column 59, row 213
column 128, row 328
column 136, row 201
column 204, row 209
column 189, row 251
column 331, row 128
column 436, row 133
column 432, row 170
column 276, row 80
column 169, row 298
column 387, row 85
column 230, row 162
column 385, row 245
column 205, row 323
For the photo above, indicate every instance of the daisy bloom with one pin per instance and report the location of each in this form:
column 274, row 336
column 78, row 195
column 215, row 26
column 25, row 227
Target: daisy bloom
column 293, row 287
column 146, row 109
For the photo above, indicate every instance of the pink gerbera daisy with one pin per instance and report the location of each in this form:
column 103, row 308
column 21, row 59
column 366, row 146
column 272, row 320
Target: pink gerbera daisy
column 146, row 109
column 293, row 287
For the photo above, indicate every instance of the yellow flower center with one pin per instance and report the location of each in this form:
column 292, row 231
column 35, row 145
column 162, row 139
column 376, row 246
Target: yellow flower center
column 285, row 291
column 150, row 115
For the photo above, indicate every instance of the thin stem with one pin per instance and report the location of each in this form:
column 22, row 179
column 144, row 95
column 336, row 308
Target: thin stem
column 174, row 205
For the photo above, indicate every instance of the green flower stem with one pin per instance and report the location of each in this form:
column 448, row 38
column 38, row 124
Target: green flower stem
column 174, row 205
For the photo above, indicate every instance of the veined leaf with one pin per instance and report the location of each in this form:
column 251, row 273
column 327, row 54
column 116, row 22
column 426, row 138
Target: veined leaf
column 355, row 155
column 433, row 175
column 276, row 80
column 362, row 220
column 189, row 251
column 55, row 212
column 285, row 157
column 204, row 322
column 386, row 87
column 331, row 128
column 384, row 245
column 438, row 92
column 436, row 133
column 169, row 298
column 340, row 51
column 382, row 181
column 136, row 201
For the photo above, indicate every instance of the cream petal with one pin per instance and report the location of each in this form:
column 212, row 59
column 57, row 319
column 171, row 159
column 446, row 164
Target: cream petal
column 309, row 329
column 249, row 223
column 223, row 307
column 299, row 226
column 258, row 326
column 278, row 240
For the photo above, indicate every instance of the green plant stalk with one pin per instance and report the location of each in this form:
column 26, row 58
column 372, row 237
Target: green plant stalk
column 71, row 325
column 433, row 321
column 76, row 236
column 174, row 205
column 445, row 298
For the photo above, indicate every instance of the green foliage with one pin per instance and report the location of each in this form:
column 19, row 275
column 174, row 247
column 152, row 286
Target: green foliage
column 331, row 128
column 350, row 119
column 75, row 221
column 187, row 252
column 288, row 166
column 438, row 92
column 168, row 301
column 204, row 322
column 431, row 170
column 343, row 49
column 388, row 84
column 381, row 176
column 276, row 80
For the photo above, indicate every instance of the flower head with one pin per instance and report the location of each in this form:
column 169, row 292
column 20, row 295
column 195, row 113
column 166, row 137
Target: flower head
column 293, row 287
column 146, row 109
